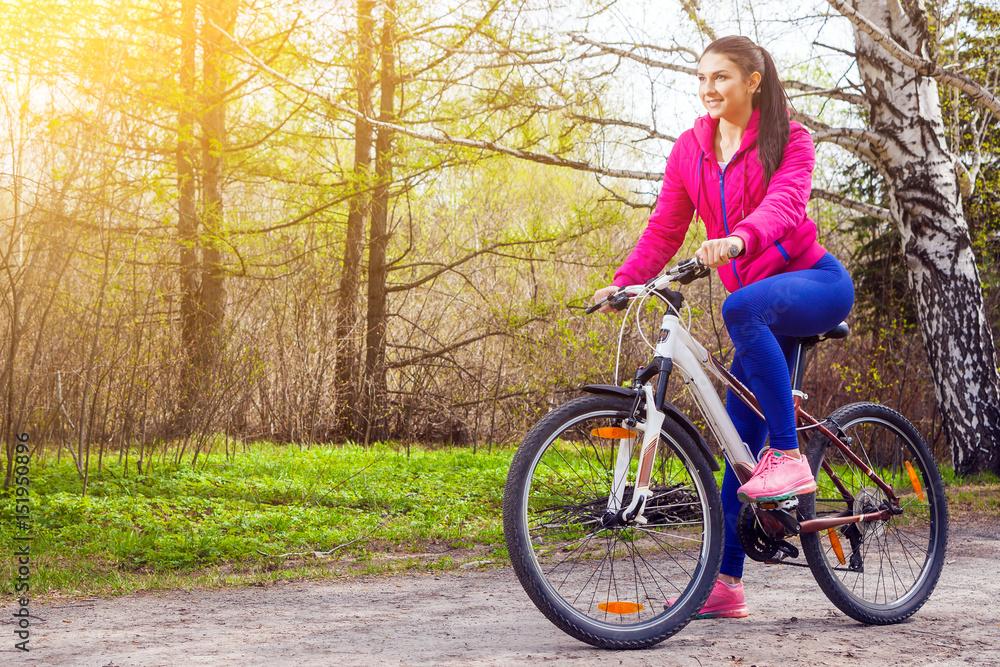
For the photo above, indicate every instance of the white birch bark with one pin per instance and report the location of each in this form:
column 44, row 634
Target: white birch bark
column 923, row 183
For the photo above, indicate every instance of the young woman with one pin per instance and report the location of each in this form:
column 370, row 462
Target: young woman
column 746, row 171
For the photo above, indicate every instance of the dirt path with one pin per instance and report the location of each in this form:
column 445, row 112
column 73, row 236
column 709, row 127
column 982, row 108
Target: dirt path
column 473, row 617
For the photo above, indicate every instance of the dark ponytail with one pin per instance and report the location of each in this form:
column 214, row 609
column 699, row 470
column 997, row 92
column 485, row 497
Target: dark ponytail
column 774, row 126
column 770, row 98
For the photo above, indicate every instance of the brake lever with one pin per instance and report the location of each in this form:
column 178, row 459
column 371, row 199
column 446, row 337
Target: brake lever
column 690, row 270
column 617, row 300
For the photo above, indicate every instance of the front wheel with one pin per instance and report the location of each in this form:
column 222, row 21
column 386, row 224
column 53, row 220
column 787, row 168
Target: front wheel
column 876, row 572
column 611, row 584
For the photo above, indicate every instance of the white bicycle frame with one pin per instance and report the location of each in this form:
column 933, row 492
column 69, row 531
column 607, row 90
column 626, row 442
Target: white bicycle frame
column 692, row 359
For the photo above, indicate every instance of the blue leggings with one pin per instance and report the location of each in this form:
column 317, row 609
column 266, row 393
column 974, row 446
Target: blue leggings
column 763, row 320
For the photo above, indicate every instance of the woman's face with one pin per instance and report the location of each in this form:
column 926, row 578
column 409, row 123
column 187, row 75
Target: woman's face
column 723, row 89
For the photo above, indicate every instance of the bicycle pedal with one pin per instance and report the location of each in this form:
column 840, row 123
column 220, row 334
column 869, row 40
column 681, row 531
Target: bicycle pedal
column 788, row 549
column 785, row 551
column 787, row 505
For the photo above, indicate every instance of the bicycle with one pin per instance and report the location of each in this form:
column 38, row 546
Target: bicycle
column 612, row 514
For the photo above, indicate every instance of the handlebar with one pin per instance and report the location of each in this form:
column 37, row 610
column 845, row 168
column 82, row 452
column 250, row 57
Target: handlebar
column 684, row 273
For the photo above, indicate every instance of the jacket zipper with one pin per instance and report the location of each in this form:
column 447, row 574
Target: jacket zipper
column 725, row 223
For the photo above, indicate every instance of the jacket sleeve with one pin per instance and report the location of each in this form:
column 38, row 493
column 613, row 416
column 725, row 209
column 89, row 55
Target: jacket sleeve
column 667, row 225
column 784, row 205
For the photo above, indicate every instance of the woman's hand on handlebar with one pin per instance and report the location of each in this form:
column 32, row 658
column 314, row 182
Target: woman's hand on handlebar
column 715, row 252
column 602, row 294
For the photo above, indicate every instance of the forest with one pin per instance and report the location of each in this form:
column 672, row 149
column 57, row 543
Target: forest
column 379, row 221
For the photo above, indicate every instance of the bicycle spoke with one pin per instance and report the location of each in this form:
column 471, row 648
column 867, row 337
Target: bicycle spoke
column 591, row 565
column 649, row 569
column 669, row 553
column 895, row 562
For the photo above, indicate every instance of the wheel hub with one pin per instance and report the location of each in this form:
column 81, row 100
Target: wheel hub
column 869, row 500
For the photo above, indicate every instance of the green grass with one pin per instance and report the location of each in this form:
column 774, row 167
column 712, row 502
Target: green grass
column 949, row 477
column 976, row 497
column 205, row 526
column 381, row 511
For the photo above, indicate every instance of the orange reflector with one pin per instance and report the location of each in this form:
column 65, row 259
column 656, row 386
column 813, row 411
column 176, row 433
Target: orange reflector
column 915, row 481
column 620, row 607
column 835, row 542
column 613, row 433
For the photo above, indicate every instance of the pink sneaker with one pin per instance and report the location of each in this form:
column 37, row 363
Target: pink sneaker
column 777, row 476
column 723, row 602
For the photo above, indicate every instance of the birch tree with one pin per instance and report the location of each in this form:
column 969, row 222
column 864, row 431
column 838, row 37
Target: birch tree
column 906, row 143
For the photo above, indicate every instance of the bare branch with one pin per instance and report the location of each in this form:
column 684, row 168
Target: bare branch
column 668, row 49
column 692, row 7
column 976, row 91
column 443, row 138
column 837, row 49
column 622, row 53
column 856, row 141
column 866, row 146
column 454, row 346
column 402, row 287
column 465, row 38
column 966, row 181
column 847, row 202
column 651, row 131
column 622, row 200
column 832, row 93
column 494, row 53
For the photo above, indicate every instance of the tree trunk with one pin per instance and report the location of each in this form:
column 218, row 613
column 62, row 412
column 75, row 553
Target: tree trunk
column 187, row 215
column 201, row 278
column 376, row 404
column 922, row 180
column 213, row 144
column 350, row 275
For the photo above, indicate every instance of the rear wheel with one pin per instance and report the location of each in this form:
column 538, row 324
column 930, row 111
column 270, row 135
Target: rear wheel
column 611, row 584
column 877, row 572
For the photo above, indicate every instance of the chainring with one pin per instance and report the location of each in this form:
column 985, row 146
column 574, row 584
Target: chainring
column 755, row 541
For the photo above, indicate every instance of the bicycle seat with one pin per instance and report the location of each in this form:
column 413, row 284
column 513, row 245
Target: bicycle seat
column 839, row 331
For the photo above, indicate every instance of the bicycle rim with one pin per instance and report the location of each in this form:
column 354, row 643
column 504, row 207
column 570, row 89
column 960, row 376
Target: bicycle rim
column 616, row 581
column 881, row 571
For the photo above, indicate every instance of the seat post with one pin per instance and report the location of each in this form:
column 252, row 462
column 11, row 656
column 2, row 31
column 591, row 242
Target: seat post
column 799, row 368
column 804, row 345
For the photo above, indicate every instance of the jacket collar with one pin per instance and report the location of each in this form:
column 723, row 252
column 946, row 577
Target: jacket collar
column 704, row 132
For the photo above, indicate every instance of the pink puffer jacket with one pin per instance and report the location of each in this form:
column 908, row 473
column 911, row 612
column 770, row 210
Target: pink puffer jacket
column 770, row 218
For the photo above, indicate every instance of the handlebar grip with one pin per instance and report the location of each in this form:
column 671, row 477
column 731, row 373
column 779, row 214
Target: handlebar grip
column 617, row 301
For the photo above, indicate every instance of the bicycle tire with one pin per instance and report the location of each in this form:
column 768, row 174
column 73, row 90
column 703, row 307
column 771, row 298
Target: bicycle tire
column 610, row 586
column 886, row 569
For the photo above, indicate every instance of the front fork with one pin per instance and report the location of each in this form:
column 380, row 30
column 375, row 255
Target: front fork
column 616, row 515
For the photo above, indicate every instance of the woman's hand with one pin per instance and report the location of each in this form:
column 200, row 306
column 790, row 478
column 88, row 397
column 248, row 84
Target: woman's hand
column 715, row 253
column 602, row 294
